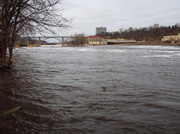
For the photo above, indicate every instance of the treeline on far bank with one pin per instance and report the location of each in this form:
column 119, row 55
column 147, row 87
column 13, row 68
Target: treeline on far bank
column 152, row 33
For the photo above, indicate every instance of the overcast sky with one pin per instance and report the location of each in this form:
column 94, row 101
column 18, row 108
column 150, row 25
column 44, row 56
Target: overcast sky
column 116, row 14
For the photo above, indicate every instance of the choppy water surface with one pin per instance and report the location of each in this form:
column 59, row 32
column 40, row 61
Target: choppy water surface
column 93, row 90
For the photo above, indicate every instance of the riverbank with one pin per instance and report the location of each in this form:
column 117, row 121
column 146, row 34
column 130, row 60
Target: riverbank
column 149, row 43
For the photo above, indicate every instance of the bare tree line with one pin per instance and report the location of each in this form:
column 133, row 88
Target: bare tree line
column 152, row 33
column 19, row 17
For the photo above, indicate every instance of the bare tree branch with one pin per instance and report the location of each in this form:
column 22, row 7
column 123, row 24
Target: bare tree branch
column 26, row 17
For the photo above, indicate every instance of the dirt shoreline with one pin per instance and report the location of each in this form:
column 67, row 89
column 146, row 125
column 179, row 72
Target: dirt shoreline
column 147, row 43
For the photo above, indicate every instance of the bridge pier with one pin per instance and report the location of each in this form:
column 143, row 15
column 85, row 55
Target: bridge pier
column 62, row 40
column 39, row 41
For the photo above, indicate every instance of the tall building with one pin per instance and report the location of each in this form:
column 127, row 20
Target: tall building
column 100, row 30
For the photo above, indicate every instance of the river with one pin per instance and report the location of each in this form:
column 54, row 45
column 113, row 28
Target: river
column 92, row 90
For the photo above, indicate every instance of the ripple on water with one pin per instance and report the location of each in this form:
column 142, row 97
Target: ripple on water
column 103, row 89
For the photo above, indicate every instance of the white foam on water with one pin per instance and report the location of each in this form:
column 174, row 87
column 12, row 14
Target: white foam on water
column 165, row 56
column 116, row 51
column 169, row 51
column 99, row 50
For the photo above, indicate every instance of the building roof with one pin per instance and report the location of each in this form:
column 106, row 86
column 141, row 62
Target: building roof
column 95, row 37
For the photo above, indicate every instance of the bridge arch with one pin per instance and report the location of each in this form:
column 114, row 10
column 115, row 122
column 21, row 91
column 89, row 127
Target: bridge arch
column 52, row 40
column 61, row 39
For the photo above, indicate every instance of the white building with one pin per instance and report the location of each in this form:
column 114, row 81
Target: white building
column 171, row 38
column 101, row 30
column 95, row 40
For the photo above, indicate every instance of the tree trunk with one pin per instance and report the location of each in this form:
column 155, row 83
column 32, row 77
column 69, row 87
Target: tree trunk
column 11, row 50
column 3, row 62
column 3, row 50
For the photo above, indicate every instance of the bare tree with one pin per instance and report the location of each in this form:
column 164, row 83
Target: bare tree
column 20, row 17
column 79, row 39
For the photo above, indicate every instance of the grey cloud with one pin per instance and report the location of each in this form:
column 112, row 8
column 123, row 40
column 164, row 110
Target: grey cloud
column 115, row 14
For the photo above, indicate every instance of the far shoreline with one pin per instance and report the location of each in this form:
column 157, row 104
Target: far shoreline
column 144, row 43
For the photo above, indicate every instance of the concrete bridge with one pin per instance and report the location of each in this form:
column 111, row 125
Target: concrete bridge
column 61, row 39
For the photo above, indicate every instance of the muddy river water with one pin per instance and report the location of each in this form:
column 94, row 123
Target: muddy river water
column 92, row 90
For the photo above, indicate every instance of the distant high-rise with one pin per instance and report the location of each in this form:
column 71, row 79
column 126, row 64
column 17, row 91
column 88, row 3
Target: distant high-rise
column 100, row 30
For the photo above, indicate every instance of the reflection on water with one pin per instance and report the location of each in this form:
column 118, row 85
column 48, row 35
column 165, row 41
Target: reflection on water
column 105, row 89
